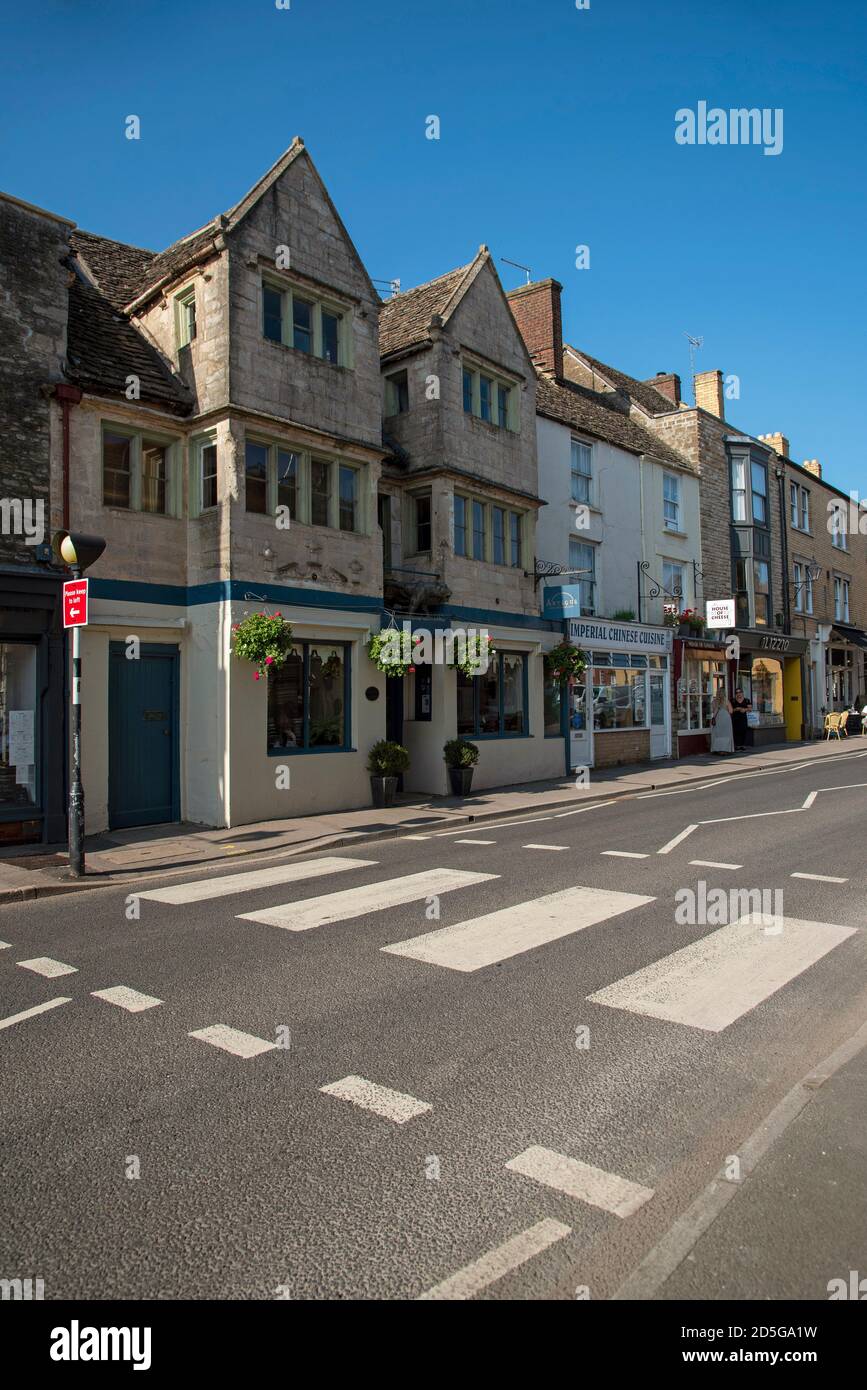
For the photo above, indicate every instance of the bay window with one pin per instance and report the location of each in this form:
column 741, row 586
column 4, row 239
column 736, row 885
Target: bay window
column 299, row 319
column 489, row 398
column 759, row 484
column 315, row 491
column 488, row 531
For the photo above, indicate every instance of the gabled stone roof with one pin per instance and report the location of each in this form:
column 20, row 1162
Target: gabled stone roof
column 404, row 319
column 650, row 400
column 594, row 413
column 104, row 348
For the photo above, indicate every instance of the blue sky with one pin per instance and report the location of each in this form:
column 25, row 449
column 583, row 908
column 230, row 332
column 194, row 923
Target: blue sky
column 557, row 129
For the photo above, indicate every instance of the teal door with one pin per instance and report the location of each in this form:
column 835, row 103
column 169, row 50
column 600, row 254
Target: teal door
column 143, row 719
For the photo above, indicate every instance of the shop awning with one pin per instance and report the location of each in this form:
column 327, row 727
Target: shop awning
column 851, row 634
column 698, row 653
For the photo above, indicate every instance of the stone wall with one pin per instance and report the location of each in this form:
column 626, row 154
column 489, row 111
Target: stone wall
column 33, row 317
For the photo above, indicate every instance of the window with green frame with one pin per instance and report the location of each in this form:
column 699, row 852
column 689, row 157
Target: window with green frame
column 299, row 319
column 139, row 471
column 488, row 531
column 308, row 700
column 494, row 705
column 490, row 398
column 316, row 491
column 185, row 317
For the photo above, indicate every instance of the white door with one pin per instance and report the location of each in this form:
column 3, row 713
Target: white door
column 580, row 722
column 658, row 714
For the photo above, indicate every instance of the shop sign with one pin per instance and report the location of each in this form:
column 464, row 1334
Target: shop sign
column 720, row 613
column 590, row 633
column 770, row 643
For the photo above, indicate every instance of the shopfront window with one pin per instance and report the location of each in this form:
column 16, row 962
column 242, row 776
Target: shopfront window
column 18, row 725
column 553, row 701
column 619, row 697
column 700, row 684
column 767, row 691
column 843, row 684
column 308, row 698
column 494, row 705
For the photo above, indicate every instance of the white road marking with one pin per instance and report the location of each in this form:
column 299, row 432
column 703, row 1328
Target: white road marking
column 496, row 936
column 579, row 810
column 501, row 825
column 44, row 965
column 217, row 887
column 499, row 1262
column 31, row 1013
column 544, row 847
column 232, row 1040
column 624, row 854
column 714, row 981
column 820, row 878
column 672, row 844
column 5, row 945
column 809, row 801
column 417, row 837
column 592, row 1185
column 713, row 864
column 129, row 999
column 475, row 842
column 391, row 1105
column 372, row 897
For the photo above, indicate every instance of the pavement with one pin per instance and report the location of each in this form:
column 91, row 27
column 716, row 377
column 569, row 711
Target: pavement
column 518, row 1059
column 124, row 856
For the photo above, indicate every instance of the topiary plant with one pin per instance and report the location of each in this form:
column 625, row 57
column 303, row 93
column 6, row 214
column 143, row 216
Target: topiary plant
column 387, row 759
column 459, row 752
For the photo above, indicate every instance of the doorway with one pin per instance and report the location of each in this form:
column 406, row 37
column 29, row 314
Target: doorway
column 143, row 735
column 658, row 714
column 580, row 722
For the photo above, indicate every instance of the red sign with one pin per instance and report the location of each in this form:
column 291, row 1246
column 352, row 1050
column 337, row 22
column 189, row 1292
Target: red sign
column 75, row 602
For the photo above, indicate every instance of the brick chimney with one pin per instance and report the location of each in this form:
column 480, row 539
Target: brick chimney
column 813, row 466
column 708, row 388
column 668, row 384
column 778, row 442
column 536, row 309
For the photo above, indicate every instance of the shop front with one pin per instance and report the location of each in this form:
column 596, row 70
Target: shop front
column 620, row 709
column 700, row 674
column 769, row 672
column 844, row 669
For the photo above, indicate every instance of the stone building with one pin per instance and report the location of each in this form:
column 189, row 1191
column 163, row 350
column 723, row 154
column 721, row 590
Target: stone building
column 458, row 506
column 743, row 491
column 34, row 246
column 228, row 445
column 622, row 523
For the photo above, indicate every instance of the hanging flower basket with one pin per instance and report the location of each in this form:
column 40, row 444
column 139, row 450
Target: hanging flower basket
column 565, row 660
column 385, row 651
column 478, row 651
column 263, row 639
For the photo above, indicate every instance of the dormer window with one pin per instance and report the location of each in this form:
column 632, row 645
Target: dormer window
column 490, row 398
column 299, row 320
column 185, row 317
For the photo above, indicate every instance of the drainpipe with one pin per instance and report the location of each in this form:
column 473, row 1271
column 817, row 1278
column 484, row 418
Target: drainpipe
column 68, row 396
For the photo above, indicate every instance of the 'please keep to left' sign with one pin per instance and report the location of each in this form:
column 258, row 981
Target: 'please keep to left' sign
column 75, row 602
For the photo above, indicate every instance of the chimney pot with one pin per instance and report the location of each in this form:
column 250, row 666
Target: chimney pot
column 708, row 388
column 813, row 466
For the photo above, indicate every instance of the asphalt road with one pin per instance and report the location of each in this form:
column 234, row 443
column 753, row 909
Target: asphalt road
column 615, row 1113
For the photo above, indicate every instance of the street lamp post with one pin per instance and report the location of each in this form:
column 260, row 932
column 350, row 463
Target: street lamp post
column 78, row 552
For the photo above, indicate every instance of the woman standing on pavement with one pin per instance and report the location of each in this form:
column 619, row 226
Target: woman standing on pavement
column 740, row 709
column 722, row 738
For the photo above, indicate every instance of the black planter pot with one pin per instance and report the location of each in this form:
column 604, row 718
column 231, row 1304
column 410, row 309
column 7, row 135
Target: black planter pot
column 461, row 779
column 383, row 790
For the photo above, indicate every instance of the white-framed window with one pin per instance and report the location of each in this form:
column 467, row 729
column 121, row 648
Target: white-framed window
column 673, row 582
column 488, row 531
column 697, row 689
column 739, row 488
column 204, row 490
column 671, row 501
column 396, row 393
column 837, row 523
column 315, row 490
column 759, row 486
column 803, row 587
column 799, row 507
column 582, row 557
column 140, row 471
column 841, row 599
column 489, row 397
column 300, row 319
column 582, row 471
column 185, row 317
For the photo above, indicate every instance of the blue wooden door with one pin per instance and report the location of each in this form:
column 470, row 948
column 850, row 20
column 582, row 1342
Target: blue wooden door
column 143, row 719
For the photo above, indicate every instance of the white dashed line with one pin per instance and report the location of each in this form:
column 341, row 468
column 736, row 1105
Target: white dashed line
column 497, row 1263
column 672, row 844
column 31, row 1013
column 713, row 864
column 624, row 854
column 124, row 998
column 232, row 1040
column 820, row 878
column 475, row 842
column 581, row 1180
column 44, row 965
column 391, row 1105
column 555, row 847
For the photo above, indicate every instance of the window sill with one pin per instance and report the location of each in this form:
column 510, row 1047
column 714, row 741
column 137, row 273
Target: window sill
column 678, row 534
column 133, row 511
column 295, row 752
column 308, row 356
column 489, row 425
column 493, row 738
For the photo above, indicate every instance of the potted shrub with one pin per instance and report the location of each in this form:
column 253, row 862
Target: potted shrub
column 263, row 639
column 385, row 763
column 565, row 660
column 461, row 757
